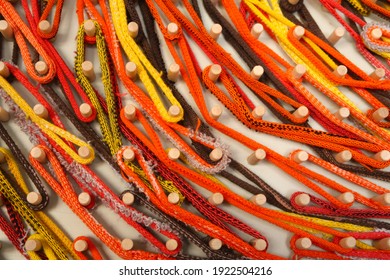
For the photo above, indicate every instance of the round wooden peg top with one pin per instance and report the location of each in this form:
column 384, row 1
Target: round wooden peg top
column 34, row 198
column 33, row 245
column 128, row 198
column 81, row 245
column 127, row 244
column 215, row 244
column 171, row 244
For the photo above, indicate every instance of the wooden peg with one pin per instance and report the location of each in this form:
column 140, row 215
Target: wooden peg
column 6, row 30
column 383, row 155
column 90, row 28
column 128, row 198
column 378, row 74
column 41, row 67
column 259, row 244
column 4, row 115
column 84, row 199
column 216, row 154
column 300, row 156
column 301, row 112
column 383, row 199
column 174, row 111
column 131, row 70
column 172, row 29
column 256, row 30
column 85, row 110
column 215, row 31
column 303, row 243
column 215, row 71
column 34, row 198
column 258, row 199
column 171, row 244
column 257, row 72
column 302, row 199
column 127, row 244
column 41, row 111
column 348, row 242
column 216, row 112
column 299, row 71
column 173, row 72
column 346, row 197
column 81, row 245
column 216, row 199
column 380, row 114
column 128, row 154
column 256, row 156
column 299, row 32
column 293, row 2
column 258, row 112
column 382, row 244
column 84, row 152
column 130, row 112
column 44, row 26
column 174, row 154
column 33, row 245
column 133, row 29
column 4, row 71
column 376, row 33
column 343, row 156
column 88, row 71
column 340, row 71
column 215, row 244
column 173, row 198
column 342, row 113
column 38, row 154
column 336, row 35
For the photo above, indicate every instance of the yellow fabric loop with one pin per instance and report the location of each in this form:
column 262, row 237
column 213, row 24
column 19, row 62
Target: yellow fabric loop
column 53, row 131
column 144, row 66
column 38, row 220
column 45, row 246
column 110, row 128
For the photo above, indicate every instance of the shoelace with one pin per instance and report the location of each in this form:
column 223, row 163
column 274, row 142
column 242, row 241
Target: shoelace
column 53, row 131
column 21, row 33
column 66, row 193
column 38, row 221
column 14, row 229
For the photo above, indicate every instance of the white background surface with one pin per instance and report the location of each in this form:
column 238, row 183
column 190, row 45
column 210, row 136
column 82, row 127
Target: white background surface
column 278, row 238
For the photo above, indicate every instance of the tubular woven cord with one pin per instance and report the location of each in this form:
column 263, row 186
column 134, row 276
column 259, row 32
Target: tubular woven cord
column 271, row 216
column 109, row 127
column 198, row 201
column 47, row 250
column 271, row 127
column 14, row 229
column 210, row 211
column 64, row 74
column 37, row 220
column 95, row 254
column 144, row 66
column 21, row 33
column 320, row 82
column 235, row 181
column 379, row 46
column 273, row 197
column 28, row 169
column 89, row 182
column 381, row 10
column 168, row 129
column 56, row 133
column 56, row 18
column 285, row 164
column 66, row 193
column 309, row 23
column 380, row 211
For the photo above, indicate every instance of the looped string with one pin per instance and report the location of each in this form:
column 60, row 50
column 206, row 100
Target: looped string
column 22, row 32
column 47, row 250
column 56, row 18
column 95, row 254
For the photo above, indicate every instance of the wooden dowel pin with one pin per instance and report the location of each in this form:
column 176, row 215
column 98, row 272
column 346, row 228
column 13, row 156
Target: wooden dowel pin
column 257, row 72
column 4, row 115
column 299, row 71
column 174, row 72
column 174, row 154
column 383, row 199
column 44, row 26
column 215, row 71
column 130, row 112
column 172, row 28
column 300, row 156
column 34, row 198
column 258, row 112
column 133, row 29
column 41, row 67
column 303, row 243
column 89, row 28
column 256, row 156
column 215, row 31
column 380, row 114
column 215, row 244
column 348, row 242
column 378, row 74
column 41, row 111
column 88, row 71
column 336, row 35
column 301, row 112
column 256, row 30
column 259, row 244
column 38, row 154
column 216, row 112
column 127, row 244
column 4, row 71
column 128, row 198
column 6, row 30
column 382, row 244
column 174, row 111
column 131, row 70
column 342, row 113
column 171, row 244
column 173, row 198
column 340, row 71
column 343, row 156
column 216, row 199
column 81, row 245
column 258, row 199
column 85, row 110
column 33, row 245
column 346, row 197
column 216, row 154
column 302, row 199
column 299, row 32
column 84, row 199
